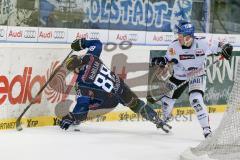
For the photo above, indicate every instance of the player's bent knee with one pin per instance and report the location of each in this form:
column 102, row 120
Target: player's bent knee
column 196, row 101
column 167, row 106
column 80, row 116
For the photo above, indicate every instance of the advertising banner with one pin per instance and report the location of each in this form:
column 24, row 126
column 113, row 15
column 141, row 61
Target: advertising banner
column 65, row 35
column 88, row 34
column 133, row 37
column 22, row 34
column 159, row 38
column 136, row 15
column 234, row 39
column 52, row 35
column 23, row 74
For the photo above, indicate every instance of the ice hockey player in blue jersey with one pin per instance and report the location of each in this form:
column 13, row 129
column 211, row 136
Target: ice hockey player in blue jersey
column 93, row 74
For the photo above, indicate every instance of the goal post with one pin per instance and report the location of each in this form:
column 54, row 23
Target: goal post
column 224, row 144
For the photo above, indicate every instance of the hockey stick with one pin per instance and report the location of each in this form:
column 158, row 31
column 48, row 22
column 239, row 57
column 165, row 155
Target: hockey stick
column 166, row 89
column 18, row 121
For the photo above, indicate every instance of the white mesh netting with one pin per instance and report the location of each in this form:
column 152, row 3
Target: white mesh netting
column 224, row 144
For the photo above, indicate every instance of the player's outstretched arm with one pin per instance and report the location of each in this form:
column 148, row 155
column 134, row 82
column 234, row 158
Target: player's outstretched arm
column 218, row 48
column 78, row 114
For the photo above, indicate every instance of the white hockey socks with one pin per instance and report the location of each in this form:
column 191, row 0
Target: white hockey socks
column 167, row 107
column 196, row 101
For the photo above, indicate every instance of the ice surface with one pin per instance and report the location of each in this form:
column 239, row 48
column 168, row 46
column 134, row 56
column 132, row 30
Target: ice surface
column 104, row 141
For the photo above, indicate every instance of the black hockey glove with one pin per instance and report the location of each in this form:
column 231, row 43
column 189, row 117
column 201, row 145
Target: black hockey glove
column 227, row 51
column 160, row 61
column 150, row 99
column 67, row 121
column 78, row 44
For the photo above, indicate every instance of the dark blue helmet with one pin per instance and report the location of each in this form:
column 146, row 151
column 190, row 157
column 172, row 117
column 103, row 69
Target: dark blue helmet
column 185, row 28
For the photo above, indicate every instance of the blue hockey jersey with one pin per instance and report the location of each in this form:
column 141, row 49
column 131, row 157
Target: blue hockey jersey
column 94, row 76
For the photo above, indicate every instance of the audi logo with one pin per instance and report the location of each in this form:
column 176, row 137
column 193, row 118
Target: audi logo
column 94, row 35
column 232, row 40
column 132, row 37
column 169, row 38
column 29, row 34
column 2, row 32
column 58, row 34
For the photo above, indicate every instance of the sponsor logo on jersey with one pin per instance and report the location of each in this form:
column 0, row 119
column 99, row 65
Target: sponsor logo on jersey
column 94, row 69
column 199, row 52
column 185, row 57
column 194, row 71
column 196, row 80
column 88, row 69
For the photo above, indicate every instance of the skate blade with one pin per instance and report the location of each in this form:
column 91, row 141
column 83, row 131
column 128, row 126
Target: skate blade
column 75, row 128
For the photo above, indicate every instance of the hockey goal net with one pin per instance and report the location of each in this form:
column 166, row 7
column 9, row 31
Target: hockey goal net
column 224, row 144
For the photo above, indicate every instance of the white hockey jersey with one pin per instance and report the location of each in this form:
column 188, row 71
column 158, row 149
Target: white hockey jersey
column 191, row 58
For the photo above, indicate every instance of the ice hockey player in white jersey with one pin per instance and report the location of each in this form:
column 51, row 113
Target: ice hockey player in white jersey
column 190, row 53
